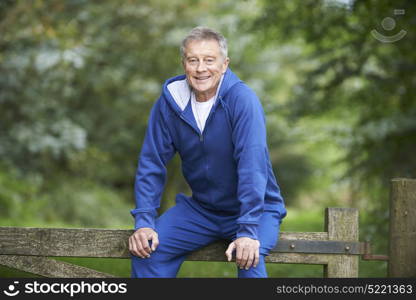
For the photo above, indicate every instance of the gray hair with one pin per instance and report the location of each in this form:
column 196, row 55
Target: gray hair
column 204, row 33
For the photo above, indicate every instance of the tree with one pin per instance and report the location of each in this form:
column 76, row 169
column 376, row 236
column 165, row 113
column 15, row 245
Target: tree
column 364, row 85
column 78, row 79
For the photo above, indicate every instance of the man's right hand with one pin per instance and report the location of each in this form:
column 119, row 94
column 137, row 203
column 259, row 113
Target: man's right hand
column 139, row 242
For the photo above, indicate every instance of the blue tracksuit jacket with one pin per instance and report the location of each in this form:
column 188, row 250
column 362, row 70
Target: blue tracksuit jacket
column 227, row 166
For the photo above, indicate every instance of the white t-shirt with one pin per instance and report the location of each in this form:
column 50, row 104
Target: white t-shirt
column 201, row 110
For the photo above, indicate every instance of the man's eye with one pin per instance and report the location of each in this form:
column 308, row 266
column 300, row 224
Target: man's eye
column 209, row 61
column 192, row 60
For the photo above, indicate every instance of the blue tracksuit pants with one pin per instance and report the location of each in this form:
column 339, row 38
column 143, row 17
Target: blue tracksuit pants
column 187, row 227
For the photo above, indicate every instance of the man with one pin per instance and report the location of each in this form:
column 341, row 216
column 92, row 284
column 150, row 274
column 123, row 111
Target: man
column 216, row 124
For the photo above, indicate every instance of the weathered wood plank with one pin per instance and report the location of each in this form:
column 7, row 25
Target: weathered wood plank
column 64, row 242
column 342, row 225
column 47, row 267
column 298, row 258
column 86, row 242
column 213, row 252
column 308, row 236
column 402, row 240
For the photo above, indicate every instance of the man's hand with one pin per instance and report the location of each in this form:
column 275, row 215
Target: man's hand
column 139, row 242
column 247, row 252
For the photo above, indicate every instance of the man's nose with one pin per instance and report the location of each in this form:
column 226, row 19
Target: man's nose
column 201, row 66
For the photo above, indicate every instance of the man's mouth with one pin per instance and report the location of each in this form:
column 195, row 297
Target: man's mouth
column 202, row 78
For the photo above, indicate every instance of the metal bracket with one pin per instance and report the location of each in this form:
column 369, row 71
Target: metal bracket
column 318, row 247
column 328, row 247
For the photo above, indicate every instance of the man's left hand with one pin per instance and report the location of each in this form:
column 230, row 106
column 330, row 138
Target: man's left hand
column 247, row 252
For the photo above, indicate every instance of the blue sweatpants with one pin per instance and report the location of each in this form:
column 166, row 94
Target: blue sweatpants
column 187, row 227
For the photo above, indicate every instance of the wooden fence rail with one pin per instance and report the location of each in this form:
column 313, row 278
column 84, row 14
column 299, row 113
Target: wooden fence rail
column 28, row 249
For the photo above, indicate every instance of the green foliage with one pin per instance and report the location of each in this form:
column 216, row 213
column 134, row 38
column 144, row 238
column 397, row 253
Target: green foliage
column 74, row 203
column 86, row 204
column 352, row 73
column 78, row 83
column 363, row 86
column 78, row 79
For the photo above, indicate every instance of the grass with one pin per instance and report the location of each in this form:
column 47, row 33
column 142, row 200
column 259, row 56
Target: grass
column 297, row 220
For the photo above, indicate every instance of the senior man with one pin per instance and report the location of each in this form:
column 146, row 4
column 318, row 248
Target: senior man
column 216, row 123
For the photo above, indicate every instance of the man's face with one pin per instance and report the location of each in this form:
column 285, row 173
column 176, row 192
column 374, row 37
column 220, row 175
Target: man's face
column 204, row 65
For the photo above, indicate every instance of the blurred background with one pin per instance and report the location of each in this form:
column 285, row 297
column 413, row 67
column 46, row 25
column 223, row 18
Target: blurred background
column 78, row 78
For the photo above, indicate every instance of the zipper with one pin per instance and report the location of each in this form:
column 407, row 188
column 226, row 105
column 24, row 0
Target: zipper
column 192, row 126
column 201, row 139
column 198, row 131
column 201, row 136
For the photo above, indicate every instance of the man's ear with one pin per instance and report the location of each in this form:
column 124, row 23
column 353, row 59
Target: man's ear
column 225, row 64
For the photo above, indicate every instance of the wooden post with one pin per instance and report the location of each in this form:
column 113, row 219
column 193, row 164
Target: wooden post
column 402, row 239
column 342, row 225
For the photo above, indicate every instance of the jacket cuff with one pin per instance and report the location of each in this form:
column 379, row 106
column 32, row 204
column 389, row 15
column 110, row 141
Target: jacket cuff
column 143, row 219
column 248, row 230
